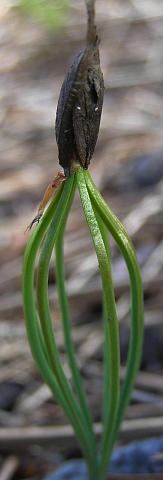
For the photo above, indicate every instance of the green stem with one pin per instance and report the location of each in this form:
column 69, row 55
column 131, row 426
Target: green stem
column 136, row 337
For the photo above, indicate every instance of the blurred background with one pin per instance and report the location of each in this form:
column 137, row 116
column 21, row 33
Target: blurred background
column 38, row 41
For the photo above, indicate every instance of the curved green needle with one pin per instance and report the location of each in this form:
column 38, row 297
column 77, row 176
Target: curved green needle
column 83, row 431
column 98, row 234
column 66, row 323
column 136, row 337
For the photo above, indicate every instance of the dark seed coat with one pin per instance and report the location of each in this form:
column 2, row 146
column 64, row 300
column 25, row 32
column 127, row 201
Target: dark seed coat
column 80, row 104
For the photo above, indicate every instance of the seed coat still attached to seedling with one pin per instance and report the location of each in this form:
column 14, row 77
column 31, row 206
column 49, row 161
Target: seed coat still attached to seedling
column 78, row 112
column 80, row 103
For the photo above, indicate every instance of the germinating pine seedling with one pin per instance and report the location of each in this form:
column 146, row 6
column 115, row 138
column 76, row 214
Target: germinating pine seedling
column 77, row 126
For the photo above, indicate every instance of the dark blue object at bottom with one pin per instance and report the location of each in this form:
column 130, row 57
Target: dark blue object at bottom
column 136, row 457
